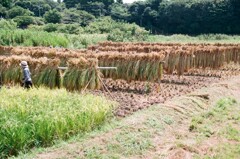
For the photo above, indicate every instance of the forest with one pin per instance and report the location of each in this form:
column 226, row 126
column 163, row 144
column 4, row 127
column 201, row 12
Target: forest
column 192, row 17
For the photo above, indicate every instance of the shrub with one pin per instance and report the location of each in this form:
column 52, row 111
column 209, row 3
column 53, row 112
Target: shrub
column 50, row 27
column 52, row 16
column 7, row 24
column 71, row 16
column 24, row 21
column 18, row 11
column 3, row 11
column 128, row 32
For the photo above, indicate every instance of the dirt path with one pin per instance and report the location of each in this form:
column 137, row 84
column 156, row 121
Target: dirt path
column 162, row 131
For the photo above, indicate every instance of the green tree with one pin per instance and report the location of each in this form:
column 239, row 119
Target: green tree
column 71, row 16
column 7, row 24
column 24, row 21
column 95, row 8
column 18, row 11
column 73, row 3
column 52, row 16
column 3, row 11
column 38, row 7
column 120, row 1
column 119, row 11
column 6, row 3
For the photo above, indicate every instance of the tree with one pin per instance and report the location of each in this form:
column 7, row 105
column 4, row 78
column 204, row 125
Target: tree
column 3, row 11
column 6, row 3
column 120, row 1
column 18, row 11
column 52, row 16
column 119, row 11
column 8, row 24
column 73, row 3
column 136, row 10
column 95, row 8
column 38, row 7
column 24, row 21
column 71, row 16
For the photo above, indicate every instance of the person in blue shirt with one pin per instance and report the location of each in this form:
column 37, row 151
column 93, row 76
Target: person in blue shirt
column 27, row 80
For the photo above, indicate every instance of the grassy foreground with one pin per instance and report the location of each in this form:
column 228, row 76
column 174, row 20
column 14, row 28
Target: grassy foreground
column 164, row 131
column 40, row 116
column 221, row 122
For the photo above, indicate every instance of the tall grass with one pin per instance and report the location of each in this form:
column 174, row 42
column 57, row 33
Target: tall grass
column 38, row 117
column 85, row 40
column 204, row 38
column 32, row 38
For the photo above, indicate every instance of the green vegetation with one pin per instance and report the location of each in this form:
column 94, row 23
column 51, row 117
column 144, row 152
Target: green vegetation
column 222, row 121
column 158, row 16
column 204, row 38
column 39, row 117
column 32, row 38
column 115, row 21
column 69, row 35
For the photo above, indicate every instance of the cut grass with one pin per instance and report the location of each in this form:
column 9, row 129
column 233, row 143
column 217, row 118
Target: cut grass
column 38, row 117
column 222, row 122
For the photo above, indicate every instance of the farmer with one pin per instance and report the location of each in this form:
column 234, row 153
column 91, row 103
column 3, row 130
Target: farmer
column 27, row 81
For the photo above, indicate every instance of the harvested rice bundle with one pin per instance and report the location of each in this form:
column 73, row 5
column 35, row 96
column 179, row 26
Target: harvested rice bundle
column 45, row 72
column 10, row 70
column 82, row 73
column 5, row 50
column 141, row 67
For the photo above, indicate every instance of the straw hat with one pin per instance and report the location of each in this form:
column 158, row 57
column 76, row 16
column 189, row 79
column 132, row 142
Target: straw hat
column 23, row 63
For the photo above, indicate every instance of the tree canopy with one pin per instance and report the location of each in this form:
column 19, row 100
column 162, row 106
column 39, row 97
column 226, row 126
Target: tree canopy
column 158, row 16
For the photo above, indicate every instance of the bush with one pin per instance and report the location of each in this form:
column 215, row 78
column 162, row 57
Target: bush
column 70, row 29
column 3, row 11
column 128, row 32
column 50, row 27
column 7, row 24
column 82, row 18
column 117, row 31
column 63, row 28
column 18, row 11
column 101, row 26
column 85, row 40
column 39, row 21
column 52, row 16
column 38, row 117
column 24, row 21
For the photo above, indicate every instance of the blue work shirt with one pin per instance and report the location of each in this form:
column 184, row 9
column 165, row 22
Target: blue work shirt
column 26, row 74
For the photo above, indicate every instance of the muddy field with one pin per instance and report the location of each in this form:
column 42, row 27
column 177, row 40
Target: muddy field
column 136, row 95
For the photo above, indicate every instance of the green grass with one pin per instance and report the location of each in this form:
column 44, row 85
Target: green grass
column 204, row 38
column 28, row 37
column 31, row 38
column 85, row 40
column 39, row 117
column 221, row 121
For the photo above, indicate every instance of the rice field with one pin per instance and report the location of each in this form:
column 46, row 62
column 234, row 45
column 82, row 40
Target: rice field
column 147, row 74
column 39, row 117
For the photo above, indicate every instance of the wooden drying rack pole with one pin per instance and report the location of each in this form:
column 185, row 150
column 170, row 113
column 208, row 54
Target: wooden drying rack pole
column 100, row 68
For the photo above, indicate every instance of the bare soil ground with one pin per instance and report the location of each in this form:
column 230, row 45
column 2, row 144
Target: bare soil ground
column 188, row 126
column 138, row 95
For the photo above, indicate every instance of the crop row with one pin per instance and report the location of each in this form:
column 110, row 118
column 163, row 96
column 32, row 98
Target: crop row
column 148, row 66
column 45, row 72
